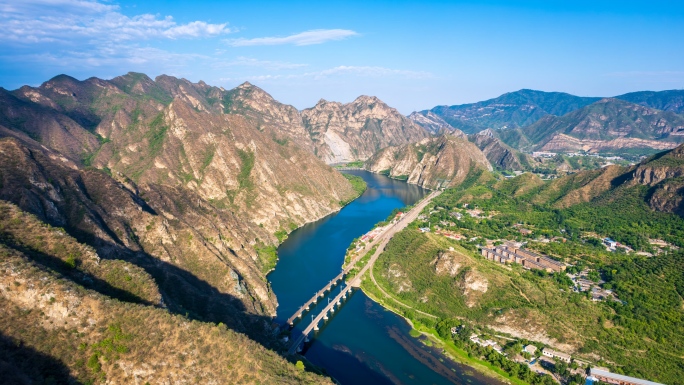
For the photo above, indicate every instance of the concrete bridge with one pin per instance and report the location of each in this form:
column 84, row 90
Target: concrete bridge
column 381, row 241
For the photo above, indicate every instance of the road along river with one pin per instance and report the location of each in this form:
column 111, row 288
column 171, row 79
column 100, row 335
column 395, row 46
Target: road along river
column 361, row 343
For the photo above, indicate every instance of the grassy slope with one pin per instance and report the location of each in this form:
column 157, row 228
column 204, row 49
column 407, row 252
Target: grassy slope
column 641, row 337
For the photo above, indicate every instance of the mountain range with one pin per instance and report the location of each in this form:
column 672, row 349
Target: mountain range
column 171, row 197
column 531, row 120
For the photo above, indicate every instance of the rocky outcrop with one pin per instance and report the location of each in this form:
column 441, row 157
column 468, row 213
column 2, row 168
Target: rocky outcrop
column 69, row 316
column 355, row 131
column 432, row 163
column 511, row 110
column 666, row 165
column 194, row 178
column 607, row 125
column 433, row 123
column 499, row 154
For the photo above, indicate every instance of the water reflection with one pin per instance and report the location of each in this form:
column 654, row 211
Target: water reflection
column 362, row 343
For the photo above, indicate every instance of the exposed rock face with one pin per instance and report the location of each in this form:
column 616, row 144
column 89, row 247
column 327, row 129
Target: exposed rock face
column 193, row 183
column 334, row 132
column 447, row 263
column 498, row 153
column 609, row 124
column 431, row 163
column 510, row 110
column 355, row 131
column 186, row 250
column 666, row 165
column 433, row 123
column 60, row 323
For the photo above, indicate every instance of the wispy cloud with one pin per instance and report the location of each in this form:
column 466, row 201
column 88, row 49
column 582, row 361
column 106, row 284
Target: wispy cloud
column 370, row 71
column 256, row 63
column 78, row 21
column 316, row 36
column 341, row 71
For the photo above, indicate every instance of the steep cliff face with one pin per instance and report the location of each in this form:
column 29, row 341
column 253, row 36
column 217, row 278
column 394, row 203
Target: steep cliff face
column 666, row 165
column 199, row 256
column 355, row 131
column 431, row 163
column 70, row 315
column 498, row 153
column 433, row 123
column 218, row 184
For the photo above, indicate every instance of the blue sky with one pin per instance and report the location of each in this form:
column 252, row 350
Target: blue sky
column 411, row 55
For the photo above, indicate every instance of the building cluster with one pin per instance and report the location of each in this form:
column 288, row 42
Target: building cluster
column 511, row 252
column 583, row 284
column 497, row 348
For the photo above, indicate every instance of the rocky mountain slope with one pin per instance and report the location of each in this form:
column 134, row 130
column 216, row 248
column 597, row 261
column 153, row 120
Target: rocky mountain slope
column 71, row 315
column 433, row 123
column 355, row 131
column 333, row 131
column 499, row 154
column 525, row 107
column 432, row 163
column 163, row 175
column 510, row 110
column 670, row 100
column 607, row 125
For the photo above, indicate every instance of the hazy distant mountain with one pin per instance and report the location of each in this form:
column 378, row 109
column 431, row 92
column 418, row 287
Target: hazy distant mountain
column 510, row 110
column 670, row 100
column 607, row 125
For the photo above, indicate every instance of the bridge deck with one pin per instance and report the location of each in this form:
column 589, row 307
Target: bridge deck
column 382, row 240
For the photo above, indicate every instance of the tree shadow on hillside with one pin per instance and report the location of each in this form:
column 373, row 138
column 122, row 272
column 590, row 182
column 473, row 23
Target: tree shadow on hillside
column 81, row 277
column 186, row 294
column 23, row 365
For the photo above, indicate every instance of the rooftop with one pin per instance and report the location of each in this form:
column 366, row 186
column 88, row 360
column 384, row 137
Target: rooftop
column 620, row 377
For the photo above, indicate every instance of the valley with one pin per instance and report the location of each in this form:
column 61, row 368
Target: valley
column 210, row 215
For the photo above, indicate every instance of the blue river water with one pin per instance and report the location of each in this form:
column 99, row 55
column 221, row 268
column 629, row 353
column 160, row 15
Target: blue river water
column 362, row 343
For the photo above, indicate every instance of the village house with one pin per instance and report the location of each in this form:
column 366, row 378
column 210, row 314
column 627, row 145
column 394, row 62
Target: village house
column 531, row 349
column 556, row 355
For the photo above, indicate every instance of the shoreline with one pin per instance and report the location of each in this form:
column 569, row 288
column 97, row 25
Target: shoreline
column 459, row 356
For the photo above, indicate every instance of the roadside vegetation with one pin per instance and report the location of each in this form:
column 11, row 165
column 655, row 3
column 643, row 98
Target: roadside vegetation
column 640, row 333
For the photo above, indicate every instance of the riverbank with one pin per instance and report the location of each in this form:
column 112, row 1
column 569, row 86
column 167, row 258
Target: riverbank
column 450, row 350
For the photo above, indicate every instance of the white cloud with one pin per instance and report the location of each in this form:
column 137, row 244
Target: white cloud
column 256, row 63
column 82, row 21
column 341, row 71
column 316, row 36
column 370, row 71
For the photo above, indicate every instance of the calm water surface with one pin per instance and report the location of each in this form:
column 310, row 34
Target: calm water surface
column 362, row 343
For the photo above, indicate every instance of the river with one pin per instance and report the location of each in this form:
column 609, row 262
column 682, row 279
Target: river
column 362, row 343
